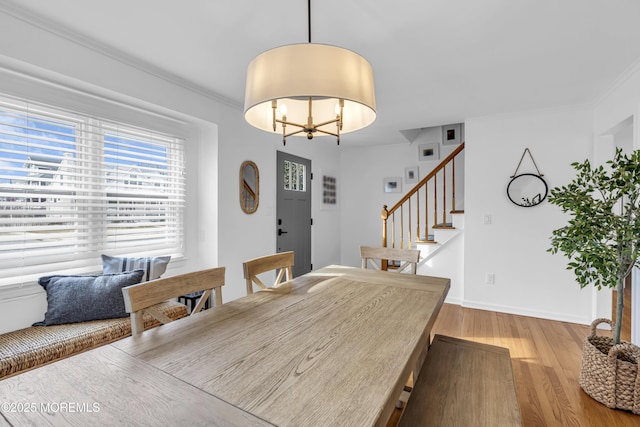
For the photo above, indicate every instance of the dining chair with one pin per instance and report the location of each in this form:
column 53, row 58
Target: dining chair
column 141, row 297
column 408, row 257
column 282, row 261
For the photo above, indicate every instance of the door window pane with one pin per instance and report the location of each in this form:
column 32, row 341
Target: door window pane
column 287, row 173
column 301, row 176
column 295, row 176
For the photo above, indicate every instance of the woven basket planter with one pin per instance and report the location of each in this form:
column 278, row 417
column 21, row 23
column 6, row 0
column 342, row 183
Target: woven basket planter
column 609, row 373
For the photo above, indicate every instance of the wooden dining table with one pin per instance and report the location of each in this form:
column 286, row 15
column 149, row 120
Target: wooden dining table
column 330, row 348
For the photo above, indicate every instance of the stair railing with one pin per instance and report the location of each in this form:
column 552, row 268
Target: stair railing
column 437, row 197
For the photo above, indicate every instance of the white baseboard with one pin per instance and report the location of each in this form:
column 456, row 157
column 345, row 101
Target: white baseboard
column 520, row 311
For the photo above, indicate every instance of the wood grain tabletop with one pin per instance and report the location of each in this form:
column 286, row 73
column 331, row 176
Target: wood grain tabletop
column 332, row 347
column 107, row 387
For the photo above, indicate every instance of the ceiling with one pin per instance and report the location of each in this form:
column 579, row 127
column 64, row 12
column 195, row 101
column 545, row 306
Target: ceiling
column 435, row 61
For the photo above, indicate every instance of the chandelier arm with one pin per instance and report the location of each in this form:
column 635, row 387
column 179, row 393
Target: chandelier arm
column 284, row 122
column 328, row 133
column 293, row 133
column 328, row 122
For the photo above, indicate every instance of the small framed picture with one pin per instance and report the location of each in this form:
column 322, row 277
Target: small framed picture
column 429, row 151
column 411, row 175
column 393, row 185
column 451, row 134
column 329, row 190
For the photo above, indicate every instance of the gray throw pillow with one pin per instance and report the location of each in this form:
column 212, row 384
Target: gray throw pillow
column 72, row 299
column 153, row 267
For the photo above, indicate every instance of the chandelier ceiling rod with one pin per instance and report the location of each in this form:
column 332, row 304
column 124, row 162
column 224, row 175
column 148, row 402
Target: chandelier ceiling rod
column 309, row 18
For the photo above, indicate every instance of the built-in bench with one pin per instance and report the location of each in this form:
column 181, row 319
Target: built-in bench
column 463, row 383
column 35, row 346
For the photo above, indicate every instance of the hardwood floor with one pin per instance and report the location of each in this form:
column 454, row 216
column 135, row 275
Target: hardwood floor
column 546, row 357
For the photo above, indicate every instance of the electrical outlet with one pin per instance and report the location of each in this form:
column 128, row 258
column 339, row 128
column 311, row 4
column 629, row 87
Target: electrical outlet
column 490, row 279
column 486, row 219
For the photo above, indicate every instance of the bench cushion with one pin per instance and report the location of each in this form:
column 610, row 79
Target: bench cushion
column 37, row 345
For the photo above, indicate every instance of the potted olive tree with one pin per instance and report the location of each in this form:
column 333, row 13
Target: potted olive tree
column 602, row 242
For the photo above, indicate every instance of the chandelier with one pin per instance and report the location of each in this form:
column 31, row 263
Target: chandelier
column 309, row 90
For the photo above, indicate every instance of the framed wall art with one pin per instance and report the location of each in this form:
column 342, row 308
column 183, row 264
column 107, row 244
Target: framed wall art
column 429, row 151
column 329, row 190
column 451, row 134
column 393, row 185
column 411, row 175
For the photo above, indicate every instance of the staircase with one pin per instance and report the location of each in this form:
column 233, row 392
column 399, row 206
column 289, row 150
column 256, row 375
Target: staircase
column 430, row 218
column 443, row 237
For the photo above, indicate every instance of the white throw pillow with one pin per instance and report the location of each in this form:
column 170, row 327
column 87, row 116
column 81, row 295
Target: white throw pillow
column 153, row 267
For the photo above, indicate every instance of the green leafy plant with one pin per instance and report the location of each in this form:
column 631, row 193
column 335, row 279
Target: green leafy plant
column 602, row 238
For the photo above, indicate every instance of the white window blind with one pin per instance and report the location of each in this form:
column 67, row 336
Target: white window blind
column 73, row 187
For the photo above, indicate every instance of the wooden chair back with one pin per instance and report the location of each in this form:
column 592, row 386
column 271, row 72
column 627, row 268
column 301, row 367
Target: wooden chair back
column 143, row 296
column 282, row 261
column 409, row 258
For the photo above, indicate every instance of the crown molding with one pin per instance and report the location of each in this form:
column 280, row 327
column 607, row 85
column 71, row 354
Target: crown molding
column 48, row 25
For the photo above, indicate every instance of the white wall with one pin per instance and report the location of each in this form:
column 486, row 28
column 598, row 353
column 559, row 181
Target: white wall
column 619, row 108
column 528, row 280
column 218, row 232
column 362, row 198
column 243, row 236
column 447, row 258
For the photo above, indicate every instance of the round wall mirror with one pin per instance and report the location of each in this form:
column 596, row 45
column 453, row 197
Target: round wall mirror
column 527, row 190
column 249, row 187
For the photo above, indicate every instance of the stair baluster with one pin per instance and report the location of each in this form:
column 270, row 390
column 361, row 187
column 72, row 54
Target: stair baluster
column 399, row 207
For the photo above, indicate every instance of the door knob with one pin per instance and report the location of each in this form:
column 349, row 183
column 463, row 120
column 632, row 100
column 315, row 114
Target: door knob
column 281, row 232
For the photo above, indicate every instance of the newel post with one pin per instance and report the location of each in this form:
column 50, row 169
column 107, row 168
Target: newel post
column 384, row 215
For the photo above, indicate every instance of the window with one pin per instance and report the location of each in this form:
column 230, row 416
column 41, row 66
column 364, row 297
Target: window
column 294, row 176
column 73, row 187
